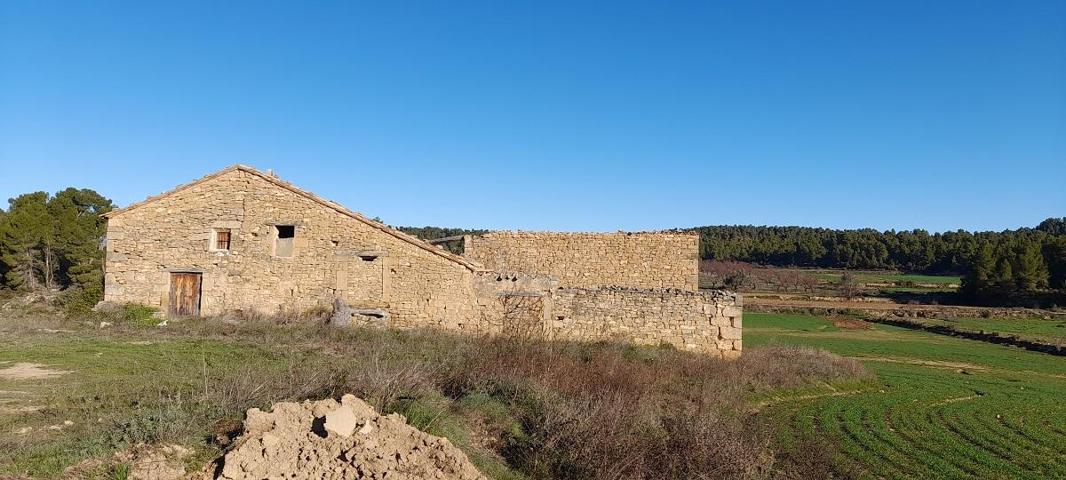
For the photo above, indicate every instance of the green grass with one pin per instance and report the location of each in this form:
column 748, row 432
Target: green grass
column 1049, row 331
column 149, row 386
column 941, row 407
column 119, row 392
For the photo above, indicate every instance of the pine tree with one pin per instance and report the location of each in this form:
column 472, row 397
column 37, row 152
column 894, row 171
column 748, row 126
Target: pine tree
column 1029, row 270
column 1003, row 276
column 26, row 243
column 51, row 242
column 79, row 233
column 1055, row 257
column 982, row 270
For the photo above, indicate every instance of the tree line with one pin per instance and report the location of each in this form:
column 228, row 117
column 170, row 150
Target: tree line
column 995, row 266
column 433, row 233
column 50, row 243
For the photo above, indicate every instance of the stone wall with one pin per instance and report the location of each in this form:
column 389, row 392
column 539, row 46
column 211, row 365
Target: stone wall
column 528, row 305
column 587, row 260
column 335, row 255
column 541, row 284
column 514, row 303
column 698, row 321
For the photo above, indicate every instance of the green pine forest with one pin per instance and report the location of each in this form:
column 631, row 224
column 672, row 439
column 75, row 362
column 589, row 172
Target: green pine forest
column 54, row 243
column 996, row 267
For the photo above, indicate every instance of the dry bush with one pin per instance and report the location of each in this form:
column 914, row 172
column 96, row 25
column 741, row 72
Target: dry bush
column 384, row 377
column 732, row 275
column 238, row 388
column 579, row 410
column 20, row 313
column 784, row 280
column 598, row 410
column 610, row 411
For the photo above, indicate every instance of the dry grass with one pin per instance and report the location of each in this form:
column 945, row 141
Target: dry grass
column 554, row 410
column 598, row 410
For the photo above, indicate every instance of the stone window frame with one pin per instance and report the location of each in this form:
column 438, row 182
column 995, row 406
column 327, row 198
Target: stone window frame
column 212, row 245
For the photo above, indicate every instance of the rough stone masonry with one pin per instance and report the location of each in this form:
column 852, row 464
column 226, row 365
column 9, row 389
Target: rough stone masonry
column 244, row 240
column 624, row 259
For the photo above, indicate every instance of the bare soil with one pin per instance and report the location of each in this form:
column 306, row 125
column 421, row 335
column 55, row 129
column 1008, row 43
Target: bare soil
column 848, row 323
column 28, row 371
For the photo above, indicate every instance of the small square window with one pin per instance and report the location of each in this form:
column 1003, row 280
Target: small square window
column 220, row 239
column 284, row 242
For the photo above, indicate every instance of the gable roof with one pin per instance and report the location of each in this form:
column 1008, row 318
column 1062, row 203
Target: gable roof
column 472, row 266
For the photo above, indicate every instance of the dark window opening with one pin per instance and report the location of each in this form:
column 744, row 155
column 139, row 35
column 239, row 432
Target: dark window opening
column 283, row 246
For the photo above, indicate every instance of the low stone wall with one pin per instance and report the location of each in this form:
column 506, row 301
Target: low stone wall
column 698, row 321
column 590, row 260
column 534, row 306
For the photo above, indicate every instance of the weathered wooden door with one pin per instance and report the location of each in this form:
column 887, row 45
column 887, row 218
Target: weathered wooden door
column 184, row 294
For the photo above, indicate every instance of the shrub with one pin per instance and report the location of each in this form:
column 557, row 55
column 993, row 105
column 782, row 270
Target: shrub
column 136, row 314
column 595, row 411
column 79, row 301
column 544, row 409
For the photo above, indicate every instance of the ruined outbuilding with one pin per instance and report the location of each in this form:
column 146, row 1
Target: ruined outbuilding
column 244, row 240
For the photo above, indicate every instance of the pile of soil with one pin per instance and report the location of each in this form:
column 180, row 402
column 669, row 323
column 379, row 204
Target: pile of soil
column 848, row 323
column 327, row 439
column 141, row 462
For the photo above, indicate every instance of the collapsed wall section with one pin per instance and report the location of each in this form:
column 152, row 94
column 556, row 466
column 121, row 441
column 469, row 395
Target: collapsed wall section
column 534, row 306
column 589, row 260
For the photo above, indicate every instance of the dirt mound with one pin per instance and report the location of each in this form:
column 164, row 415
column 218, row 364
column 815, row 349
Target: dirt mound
column 139, row 462
column 327, row 439
column 848, row 323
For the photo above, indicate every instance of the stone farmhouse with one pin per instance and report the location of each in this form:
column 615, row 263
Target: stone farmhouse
column 245, row 240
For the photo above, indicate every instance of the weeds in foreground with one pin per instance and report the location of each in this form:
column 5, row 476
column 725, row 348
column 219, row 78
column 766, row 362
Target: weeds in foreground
column 519, row 408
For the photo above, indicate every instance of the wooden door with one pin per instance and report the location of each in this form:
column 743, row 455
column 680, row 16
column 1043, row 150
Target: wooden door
column 184, row 294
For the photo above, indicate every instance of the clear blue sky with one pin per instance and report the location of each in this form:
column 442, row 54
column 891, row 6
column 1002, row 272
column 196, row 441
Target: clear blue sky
column 544, row 115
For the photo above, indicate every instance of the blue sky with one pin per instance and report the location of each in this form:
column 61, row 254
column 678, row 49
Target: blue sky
column 555, row 116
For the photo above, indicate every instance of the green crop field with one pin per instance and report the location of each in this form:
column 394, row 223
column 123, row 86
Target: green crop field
column 941, row 407
column 1038, row 329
